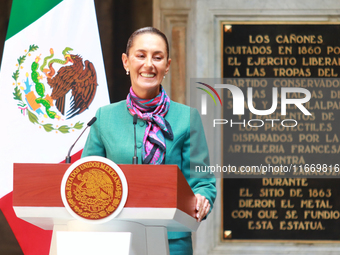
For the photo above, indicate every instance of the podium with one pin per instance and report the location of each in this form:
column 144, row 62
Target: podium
column 159, row 200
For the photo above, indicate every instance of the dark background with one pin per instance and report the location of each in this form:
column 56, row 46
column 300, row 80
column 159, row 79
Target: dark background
column 231, row 186
column 239, row 227
column 117, row 19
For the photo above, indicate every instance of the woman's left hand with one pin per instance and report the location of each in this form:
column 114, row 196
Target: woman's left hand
column 202, row 207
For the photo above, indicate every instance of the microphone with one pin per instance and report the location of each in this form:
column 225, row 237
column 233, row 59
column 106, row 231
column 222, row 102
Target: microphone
column 68, row 157
column 135, row 158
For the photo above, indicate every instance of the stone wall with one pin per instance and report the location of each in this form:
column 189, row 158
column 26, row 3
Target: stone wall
column 194, row 30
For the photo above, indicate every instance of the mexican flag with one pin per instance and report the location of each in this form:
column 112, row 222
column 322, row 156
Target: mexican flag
column 52, row 81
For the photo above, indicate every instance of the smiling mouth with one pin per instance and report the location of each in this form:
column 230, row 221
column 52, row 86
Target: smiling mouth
column 147, row 75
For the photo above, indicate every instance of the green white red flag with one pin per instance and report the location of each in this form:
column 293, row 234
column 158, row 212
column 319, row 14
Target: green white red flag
column 52, row 81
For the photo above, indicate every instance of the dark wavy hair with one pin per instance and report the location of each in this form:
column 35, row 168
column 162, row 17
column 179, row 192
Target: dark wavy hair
column 146, row 30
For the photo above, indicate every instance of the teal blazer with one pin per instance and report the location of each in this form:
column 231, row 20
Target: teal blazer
column 112, row 136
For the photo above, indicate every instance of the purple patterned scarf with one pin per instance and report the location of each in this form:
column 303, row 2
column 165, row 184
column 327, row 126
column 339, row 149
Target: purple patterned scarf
column 153, row 112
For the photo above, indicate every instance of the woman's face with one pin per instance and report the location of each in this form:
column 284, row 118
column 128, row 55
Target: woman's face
column 148, row 63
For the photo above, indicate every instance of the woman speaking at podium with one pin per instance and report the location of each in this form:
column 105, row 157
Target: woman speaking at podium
column 167, row 132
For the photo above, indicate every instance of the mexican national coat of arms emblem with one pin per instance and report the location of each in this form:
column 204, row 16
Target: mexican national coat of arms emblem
column 44, row 83
column 94, row 188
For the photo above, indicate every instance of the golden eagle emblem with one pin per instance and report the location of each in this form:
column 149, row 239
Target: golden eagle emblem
column 51, row 90
column 79, row 77
column 93, row 192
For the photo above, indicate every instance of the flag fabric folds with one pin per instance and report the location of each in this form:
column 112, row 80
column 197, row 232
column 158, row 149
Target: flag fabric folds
column 52, row 81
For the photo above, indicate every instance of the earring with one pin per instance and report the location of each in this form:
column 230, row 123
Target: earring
column 127, row 72
column 164, row 77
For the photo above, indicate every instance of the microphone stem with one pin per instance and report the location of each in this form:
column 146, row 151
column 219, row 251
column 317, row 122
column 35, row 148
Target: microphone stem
column 68, row 157
column 135, row 158
column 135, row 142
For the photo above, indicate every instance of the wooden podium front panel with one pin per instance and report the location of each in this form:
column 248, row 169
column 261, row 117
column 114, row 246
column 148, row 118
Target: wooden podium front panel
column 149, row 186
column 38, row 184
